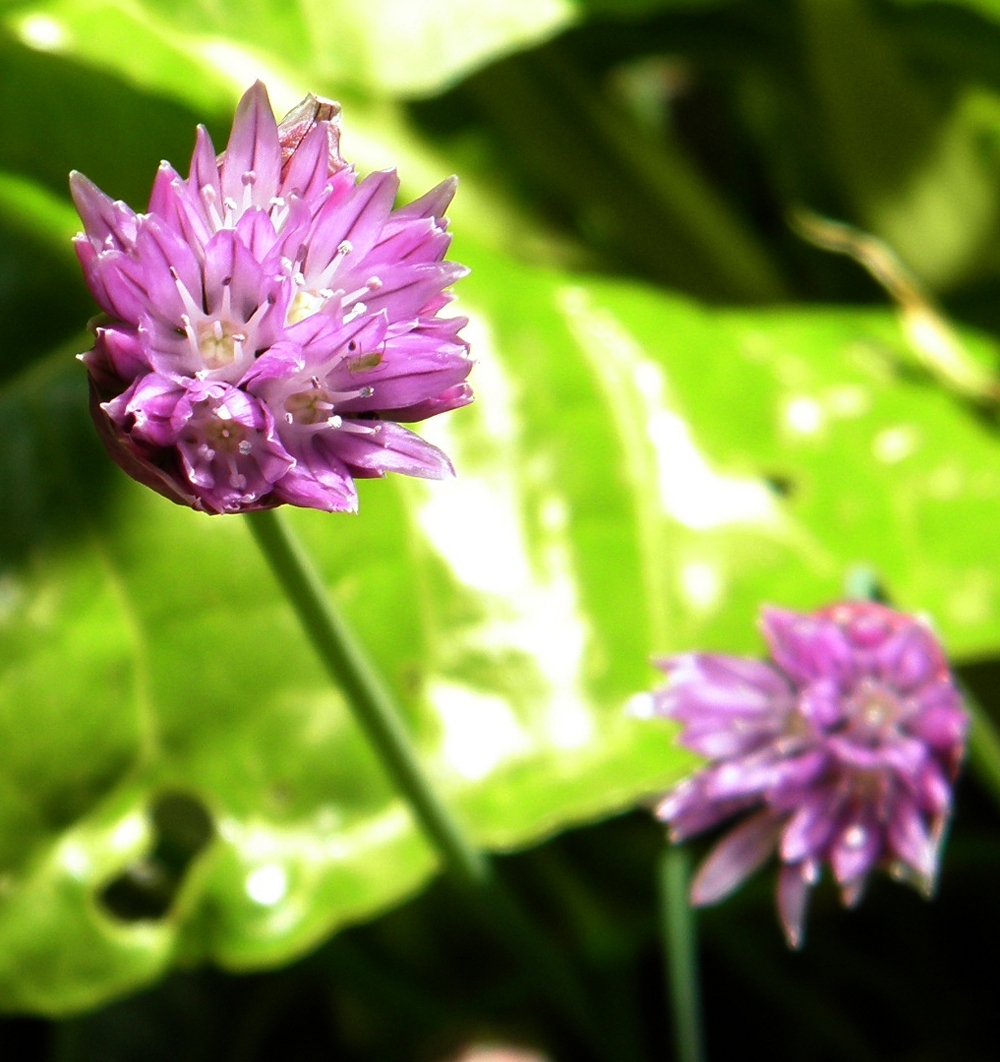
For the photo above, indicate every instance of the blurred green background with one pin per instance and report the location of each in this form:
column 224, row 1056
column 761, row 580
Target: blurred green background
column 684, row 409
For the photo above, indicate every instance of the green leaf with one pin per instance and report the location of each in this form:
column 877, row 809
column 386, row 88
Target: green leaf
column 989, row 8
column 383, row 47
column 179, row 783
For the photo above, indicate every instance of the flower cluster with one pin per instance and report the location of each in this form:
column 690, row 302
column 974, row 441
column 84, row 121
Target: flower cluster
column 841, row 750
column 270, row 320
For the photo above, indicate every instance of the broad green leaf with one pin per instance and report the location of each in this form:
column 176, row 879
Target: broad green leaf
column 180, row 783
column 383, row 47
column 386, row 47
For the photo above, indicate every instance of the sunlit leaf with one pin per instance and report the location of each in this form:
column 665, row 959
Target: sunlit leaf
column 636, row 475
column 382, row 47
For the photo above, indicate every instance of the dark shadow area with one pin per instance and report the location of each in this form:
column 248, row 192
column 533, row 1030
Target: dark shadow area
column 43, row 300
column 56, row 477
column 724, row 89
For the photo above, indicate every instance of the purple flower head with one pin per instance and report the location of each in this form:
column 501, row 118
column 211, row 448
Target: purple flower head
column 841, row 750
column 270, row 320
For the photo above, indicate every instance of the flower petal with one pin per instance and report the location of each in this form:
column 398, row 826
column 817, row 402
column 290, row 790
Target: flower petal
column 251, row 165
column 808, row 647
column 735, row 858
column 857, row 847
column 793, row 895
column 910, row 840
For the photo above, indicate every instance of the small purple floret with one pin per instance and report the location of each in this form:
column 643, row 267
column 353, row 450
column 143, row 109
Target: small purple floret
column 842, row 750
column 271, row 320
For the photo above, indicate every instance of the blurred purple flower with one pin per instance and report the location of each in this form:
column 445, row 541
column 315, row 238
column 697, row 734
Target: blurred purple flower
column 842, row 750
column 270, row 320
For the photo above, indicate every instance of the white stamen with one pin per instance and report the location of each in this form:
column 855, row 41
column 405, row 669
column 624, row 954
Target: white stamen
column 344, row 248
column 249, row 180
column 279, row 213
column 226, row 309
column 346, row 300
column 191, row 307
column 211, row 206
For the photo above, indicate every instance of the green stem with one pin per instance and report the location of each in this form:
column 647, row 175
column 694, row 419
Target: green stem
column 984, row 744
column 682, row 960
column 373, row 707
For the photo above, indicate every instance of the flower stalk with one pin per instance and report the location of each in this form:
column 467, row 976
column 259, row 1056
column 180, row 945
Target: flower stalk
column 371, row 703
column 680, row 949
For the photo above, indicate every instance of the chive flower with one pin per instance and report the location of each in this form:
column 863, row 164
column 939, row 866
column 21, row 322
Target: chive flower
column 840, row 751
column 270, row 322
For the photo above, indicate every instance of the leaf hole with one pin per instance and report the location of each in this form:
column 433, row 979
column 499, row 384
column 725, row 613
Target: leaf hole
column 780, row 485
column 145, row 891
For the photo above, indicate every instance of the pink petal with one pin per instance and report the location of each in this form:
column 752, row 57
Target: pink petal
column 102, row 217
column 793, row 895
column 811, row 826
column 808, row 647
column 857, row 848
column 909, row 839
column 735, row 858
column 355, row 222
column 253, row 148
column 431, row 204
column 204, row 172
column 308, row 169
column 392, row 448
